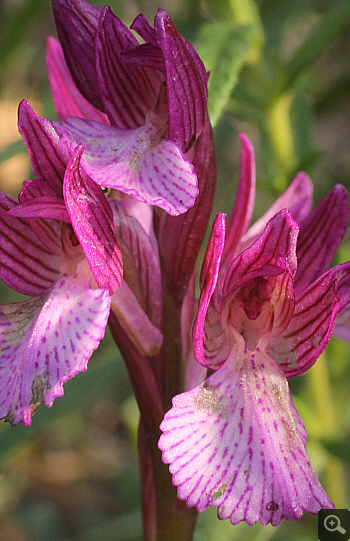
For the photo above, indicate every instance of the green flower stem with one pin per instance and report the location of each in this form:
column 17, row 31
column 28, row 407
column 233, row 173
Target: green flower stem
column 174, row 521
column 174, row 368
column 281, row 138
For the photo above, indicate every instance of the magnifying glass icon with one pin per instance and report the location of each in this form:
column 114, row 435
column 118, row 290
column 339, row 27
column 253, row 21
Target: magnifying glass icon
column 332, row 524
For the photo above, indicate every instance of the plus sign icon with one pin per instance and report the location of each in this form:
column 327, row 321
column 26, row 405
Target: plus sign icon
column 334, row 525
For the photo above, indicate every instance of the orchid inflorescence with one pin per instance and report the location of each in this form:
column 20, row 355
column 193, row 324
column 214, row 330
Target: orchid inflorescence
column 133, row 118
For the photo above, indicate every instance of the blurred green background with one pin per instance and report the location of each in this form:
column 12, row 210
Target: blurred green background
column 280, row 72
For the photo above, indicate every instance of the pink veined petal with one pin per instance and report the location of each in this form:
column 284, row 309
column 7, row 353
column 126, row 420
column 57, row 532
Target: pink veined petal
column 143, row 214
column 310, row 328
column 48, row 231
column 144, row 29
column 320, row 235
column 92, row 221
column 297, row 199
column 237, row 443
column 141, row 265
column 144, row 55
column 137, row 162
column 275, row 246
column 216, row 346
column 42, row 207
column 341, row 327
column 244, row 203
column 186, row 83
column 26, row 264
column 282, row 298
column 144, row 335
column 142, row 374
column 67, row 99
column 35, row 188
column 195, row 372
column 76, row 22
column 49, row 155
column 180, row 239
column 127, row 92
column 45, row 341
column 260, row 305
column 208, row 280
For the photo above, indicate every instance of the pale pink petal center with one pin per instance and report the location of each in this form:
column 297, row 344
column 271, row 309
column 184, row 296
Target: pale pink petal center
column 138, row 162
column 237, row 443
column 45, row 341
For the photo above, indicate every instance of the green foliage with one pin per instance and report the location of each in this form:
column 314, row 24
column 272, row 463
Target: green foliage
column 223, row 49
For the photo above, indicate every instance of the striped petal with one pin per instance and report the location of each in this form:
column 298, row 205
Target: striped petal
column 320, row 235
column 216, row 346
column 128, row 92
column 342, row 325
column 275, row 246
column 45, row 341
column 145, row 55
column 51, row 207
column 180, row 239
column 76, row 22
column 26, row 264
column 208, row 281
column 49, row 155
column 141, row 265
column 237, row 443
column 137, row 162
column 67, row 99
column 144, row 29
column 244, row 203
column 186, row 81
column 47, row 230
column 92, row 221
column 297, row 199
column 310, row 328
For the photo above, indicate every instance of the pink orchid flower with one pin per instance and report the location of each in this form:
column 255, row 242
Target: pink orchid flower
column 266, row 311
column 64, row 252
column 71, row 270
column 138, row 109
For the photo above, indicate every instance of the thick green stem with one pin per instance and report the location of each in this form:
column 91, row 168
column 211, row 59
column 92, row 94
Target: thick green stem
column 165, row 517
column 175, row 520
column 174, row 376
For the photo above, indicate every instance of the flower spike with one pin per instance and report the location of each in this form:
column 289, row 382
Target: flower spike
column 236, row 441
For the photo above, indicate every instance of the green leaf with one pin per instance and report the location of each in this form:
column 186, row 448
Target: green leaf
column 315, row 44
column 223, row 49
column 18, row 21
